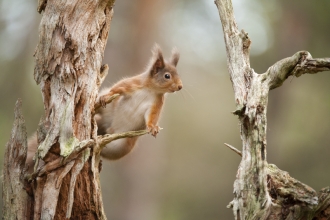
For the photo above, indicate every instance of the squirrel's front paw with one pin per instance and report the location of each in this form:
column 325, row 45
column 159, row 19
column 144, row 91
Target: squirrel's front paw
column 154, row 129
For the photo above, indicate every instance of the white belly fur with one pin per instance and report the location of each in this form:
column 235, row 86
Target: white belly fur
column 129, row 111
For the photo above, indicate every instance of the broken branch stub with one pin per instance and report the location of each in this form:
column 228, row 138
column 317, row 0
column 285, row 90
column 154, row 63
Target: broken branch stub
column 16, row 201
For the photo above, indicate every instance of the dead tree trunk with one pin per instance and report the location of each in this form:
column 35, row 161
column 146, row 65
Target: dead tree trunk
column 65, row 182
column 261, row 190
column 72, row 39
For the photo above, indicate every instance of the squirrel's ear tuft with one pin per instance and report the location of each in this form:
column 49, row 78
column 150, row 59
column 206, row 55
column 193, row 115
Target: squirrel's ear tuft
column 157, row 60
column 175, row 56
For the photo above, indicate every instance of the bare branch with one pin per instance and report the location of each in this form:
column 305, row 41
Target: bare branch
column 105, row 99
column 105, row 139
column 312, row 66
column 300, row 63
column 233, row 149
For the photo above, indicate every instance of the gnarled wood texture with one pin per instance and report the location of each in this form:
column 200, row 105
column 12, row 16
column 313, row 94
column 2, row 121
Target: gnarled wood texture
column 16, row 201
column 261, row 190
column 72, row 39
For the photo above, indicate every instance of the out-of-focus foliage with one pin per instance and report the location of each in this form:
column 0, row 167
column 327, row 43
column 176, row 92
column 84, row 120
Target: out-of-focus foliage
column 187, row 172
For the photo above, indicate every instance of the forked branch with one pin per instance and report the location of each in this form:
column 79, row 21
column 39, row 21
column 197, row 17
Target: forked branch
column 261, row 190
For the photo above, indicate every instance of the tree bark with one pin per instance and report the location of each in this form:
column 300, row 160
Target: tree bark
column 65, row 182
column 261, row 190
column 16, row 201
column 72, row 39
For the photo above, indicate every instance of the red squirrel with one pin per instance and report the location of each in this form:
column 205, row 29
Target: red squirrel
column 140, row 102
column 138, row 107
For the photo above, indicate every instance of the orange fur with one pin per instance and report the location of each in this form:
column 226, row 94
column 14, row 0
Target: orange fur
column 153, row 116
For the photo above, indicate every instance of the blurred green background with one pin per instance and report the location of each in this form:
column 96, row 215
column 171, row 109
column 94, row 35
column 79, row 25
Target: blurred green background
column 187, row 173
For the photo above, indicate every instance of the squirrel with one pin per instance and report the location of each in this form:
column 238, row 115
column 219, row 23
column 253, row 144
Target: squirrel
column 137, row 107
column 140, row 102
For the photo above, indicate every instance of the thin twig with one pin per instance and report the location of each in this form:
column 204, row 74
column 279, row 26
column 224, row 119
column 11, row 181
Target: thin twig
column 103, row 100
column 233, row 149
column 105, row 139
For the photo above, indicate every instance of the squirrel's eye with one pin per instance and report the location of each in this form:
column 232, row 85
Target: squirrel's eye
column 167, row 76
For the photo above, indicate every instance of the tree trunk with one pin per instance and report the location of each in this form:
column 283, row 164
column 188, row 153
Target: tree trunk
column 65, row 182
column 72, row 39
column 261, row 190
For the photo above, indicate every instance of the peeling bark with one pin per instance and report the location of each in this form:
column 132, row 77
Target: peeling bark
column 65, row 183
column 72, row 39
column 261, row 190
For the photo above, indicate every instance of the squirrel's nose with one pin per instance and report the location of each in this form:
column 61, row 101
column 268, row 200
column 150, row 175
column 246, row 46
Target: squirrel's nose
column 179, row 87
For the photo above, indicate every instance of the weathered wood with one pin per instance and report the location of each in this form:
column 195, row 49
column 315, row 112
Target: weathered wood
column 250, row 187
column 72, row 38
column 261, row 190
column 16, row 201
column 237, row 48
